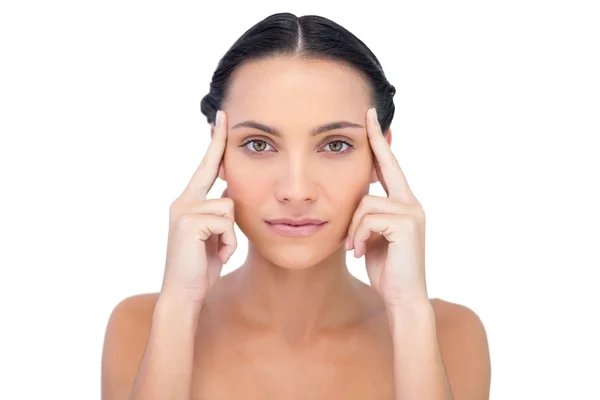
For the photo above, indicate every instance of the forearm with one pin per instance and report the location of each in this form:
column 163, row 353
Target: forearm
column 418, row 368
column 166, row 368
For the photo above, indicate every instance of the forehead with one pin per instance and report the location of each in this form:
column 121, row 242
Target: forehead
column 297, row 88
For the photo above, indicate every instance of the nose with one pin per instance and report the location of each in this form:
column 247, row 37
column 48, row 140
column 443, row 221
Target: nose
column 297, row 183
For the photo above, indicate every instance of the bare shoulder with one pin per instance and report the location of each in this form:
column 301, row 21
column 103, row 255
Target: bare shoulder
column 464, row 347
column 447, row 312
column 125, row 340
column 132, row 315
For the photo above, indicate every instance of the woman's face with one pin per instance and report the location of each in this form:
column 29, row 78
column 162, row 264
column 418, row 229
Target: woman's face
column 296, row 174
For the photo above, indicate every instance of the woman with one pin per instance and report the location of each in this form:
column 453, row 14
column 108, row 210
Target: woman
column 302, row 132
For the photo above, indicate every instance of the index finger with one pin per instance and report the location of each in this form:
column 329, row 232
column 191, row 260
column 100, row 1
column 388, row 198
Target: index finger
column 208, row 170
column 392, row 177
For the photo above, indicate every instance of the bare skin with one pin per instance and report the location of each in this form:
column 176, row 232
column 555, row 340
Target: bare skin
column 291, row 322
column 234, row 359
column 352, row 359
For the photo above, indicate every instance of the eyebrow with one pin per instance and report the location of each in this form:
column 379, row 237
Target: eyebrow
column 317, row 131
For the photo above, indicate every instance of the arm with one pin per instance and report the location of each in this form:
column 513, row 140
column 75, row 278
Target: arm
column 149, row 358
column 166, row 369
column 434, row 353
column 163, row 369
column 390, row 233
column 418, row 368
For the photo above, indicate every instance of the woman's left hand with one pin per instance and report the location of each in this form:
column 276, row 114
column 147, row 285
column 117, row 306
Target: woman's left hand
column 395, row 259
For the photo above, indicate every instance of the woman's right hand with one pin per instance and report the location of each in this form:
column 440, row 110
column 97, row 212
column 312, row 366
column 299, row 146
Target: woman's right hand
column 201, row 232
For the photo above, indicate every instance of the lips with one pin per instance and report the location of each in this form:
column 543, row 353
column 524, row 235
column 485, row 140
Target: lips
column 301, row 221
column 290, row 227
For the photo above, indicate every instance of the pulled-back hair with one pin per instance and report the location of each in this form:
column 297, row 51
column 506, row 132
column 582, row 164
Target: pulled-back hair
column 309, row 36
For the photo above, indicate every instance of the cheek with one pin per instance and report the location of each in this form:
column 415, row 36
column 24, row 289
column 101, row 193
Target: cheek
column 354, row 173
column 358, row 179
column 244, row 184
column 247, row 185
column 345, row 188
column 348, row 197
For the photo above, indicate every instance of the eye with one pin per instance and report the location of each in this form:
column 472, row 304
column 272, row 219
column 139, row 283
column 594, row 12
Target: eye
column 337, row 146
column 258, row 145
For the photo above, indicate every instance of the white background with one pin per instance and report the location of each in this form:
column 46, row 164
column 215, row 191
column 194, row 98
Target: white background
column 496, row 129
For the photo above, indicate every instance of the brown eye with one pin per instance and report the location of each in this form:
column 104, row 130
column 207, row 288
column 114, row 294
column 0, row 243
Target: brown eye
column 261, row 145
column 258, row 146
column 336, row 146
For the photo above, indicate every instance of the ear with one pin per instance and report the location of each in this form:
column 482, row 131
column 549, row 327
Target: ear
column 221, row 169
column 388, row 138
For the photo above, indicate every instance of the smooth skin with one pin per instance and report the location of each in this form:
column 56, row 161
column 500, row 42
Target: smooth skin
column 291, row 323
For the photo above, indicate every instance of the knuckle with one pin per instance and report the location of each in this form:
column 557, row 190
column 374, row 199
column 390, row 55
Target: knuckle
column 228, row 207
column 417, row 212
column 228, row 202
column 369, row 219
column 174, row 213
column 186, row 221
column 363, row 205
column 175, row 204
column 229, row 223
column 409, row 222
column 360, row 225
column 179, row 204
column 366, row 200
column 177, row 208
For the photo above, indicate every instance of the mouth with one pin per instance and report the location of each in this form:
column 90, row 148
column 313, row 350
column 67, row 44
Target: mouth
column 295, row 228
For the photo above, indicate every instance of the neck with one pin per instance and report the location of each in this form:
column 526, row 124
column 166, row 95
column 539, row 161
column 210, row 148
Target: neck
column 296, row 303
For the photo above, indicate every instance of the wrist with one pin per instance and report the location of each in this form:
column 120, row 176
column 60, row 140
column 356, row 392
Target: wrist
column 415, row 301
column 176, row 306
column 420, row 309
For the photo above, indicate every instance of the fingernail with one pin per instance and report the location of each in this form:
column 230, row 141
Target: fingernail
column 218, row 119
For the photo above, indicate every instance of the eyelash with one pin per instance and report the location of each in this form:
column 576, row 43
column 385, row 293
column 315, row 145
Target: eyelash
column 336, row 153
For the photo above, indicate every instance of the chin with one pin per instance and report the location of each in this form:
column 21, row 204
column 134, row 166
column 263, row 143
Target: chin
column 294, row 259
column 293, row 256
